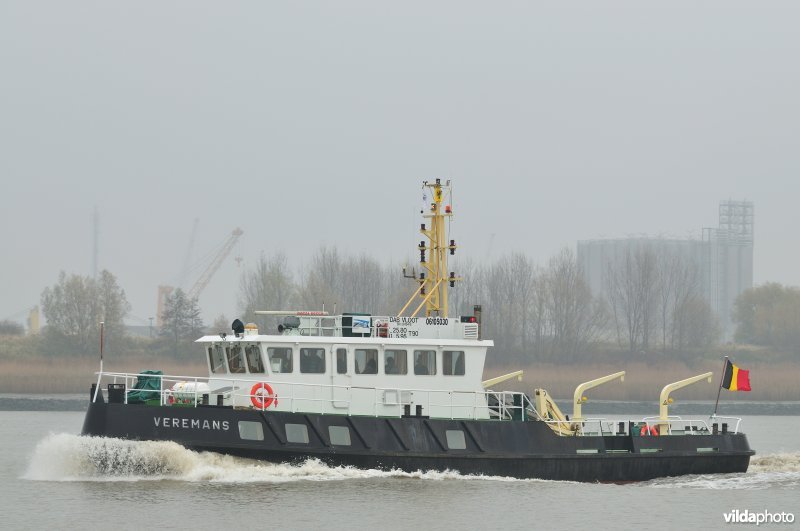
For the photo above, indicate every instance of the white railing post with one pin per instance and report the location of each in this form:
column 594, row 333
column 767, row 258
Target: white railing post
column 97, row 387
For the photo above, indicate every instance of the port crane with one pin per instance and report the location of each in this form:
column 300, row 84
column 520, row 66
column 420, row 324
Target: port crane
column 202, row 281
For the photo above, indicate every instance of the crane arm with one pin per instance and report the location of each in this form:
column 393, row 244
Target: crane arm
column 215, row 264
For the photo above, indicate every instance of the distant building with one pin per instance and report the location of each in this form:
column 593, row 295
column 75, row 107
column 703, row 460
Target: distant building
column 724, row 256
column 34, row 324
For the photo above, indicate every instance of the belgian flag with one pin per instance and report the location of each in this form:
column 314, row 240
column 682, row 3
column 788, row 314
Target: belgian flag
column 735, row 379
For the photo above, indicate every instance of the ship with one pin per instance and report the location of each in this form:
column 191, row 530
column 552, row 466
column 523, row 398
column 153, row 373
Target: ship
column 401, row 392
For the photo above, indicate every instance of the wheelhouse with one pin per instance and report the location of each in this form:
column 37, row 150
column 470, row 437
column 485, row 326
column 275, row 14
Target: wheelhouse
column 320, row 364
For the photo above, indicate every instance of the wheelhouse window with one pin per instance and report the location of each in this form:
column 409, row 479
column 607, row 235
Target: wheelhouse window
column 216, row 359
column 280, row 359
column 453, row 363
column 341, row 360
column 254, row 362
column 235, row 359
column 312, row 360
column 425, row 362
column 366, row 361
column 395, row 361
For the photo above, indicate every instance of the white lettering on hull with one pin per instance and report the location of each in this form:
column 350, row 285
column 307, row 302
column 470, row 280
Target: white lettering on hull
column 193, row 424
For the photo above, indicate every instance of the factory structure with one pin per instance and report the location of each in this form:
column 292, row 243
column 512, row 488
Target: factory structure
column 723, row 255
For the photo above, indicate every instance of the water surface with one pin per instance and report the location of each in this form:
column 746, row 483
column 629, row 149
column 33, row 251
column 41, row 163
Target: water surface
column 51, row 477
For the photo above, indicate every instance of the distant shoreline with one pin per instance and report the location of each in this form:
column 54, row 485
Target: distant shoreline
column 771, row 382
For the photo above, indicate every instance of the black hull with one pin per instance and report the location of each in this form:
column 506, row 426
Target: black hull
column 497, row 448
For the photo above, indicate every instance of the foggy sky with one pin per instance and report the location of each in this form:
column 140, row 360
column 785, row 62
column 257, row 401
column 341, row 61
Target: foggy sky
column 310, row 124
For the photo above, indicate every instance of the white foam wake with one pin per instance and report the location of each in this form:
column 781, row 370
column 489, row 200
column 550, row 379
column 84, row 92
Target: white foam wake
column 775, row 463
column 66, row 457
column 767, row 471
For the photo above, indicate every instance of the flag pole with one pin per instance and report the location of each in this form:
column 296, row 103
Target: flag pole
column 721, row 379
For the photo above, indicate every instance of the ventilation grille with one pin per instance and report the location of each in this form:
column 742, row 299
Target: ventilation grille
column 470, row 331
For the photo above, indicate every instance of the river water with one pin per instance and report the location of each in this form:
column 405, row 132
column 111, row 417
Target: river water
column 50, row 477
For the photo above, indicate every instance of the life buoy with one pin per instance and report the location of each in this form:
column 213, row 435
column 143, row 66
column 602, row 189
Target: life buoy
column 649, row 430
column 262, row 396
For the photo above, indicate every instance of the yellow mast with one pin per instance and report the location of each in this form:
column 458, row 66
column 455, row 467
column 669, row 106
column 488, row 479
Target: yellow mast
column 434, row 279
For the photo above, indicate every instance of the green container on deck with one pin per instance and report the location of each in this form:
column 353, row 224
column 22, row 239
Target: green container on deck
column 147, row 388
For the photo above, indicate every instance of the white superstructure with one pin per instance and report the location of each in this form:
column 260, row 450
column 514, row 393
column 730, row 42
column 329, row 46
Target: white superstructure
column 368, row 366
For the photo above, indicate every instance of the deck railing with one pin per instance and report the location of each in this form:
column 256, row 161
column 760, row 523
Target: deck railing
column 327, row 398
column 339, row 399
column 680, row 426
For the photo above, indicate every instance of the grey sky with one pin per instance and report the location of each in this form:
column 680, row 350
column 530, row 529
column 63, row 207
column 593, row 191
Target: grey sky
column 314, row 124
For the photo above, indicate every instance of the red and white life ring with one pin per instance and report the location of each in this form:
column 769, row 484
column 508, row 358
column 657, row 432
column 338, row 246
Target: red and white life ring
column 649, row 430
column 262, row 396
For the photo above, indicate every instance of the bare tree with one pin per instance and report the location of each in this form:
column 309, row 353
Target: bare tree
column 678, row 283
column 181, row 322
column 547, row 314
column 669, row 269
column 649, row 292
column 575, row 317
column 632, row 288
column 320, row 281
column 268, row 286
column 75, row 306
column 687, row 298
column 696, row 326
column 500, row 320
column 769, row 315
column 360, row 286
column 521, row 275
column 469, row 291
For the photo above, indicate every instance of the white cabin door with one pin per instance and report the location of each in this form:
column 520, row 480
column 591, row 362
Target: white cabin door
column 341, row 375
